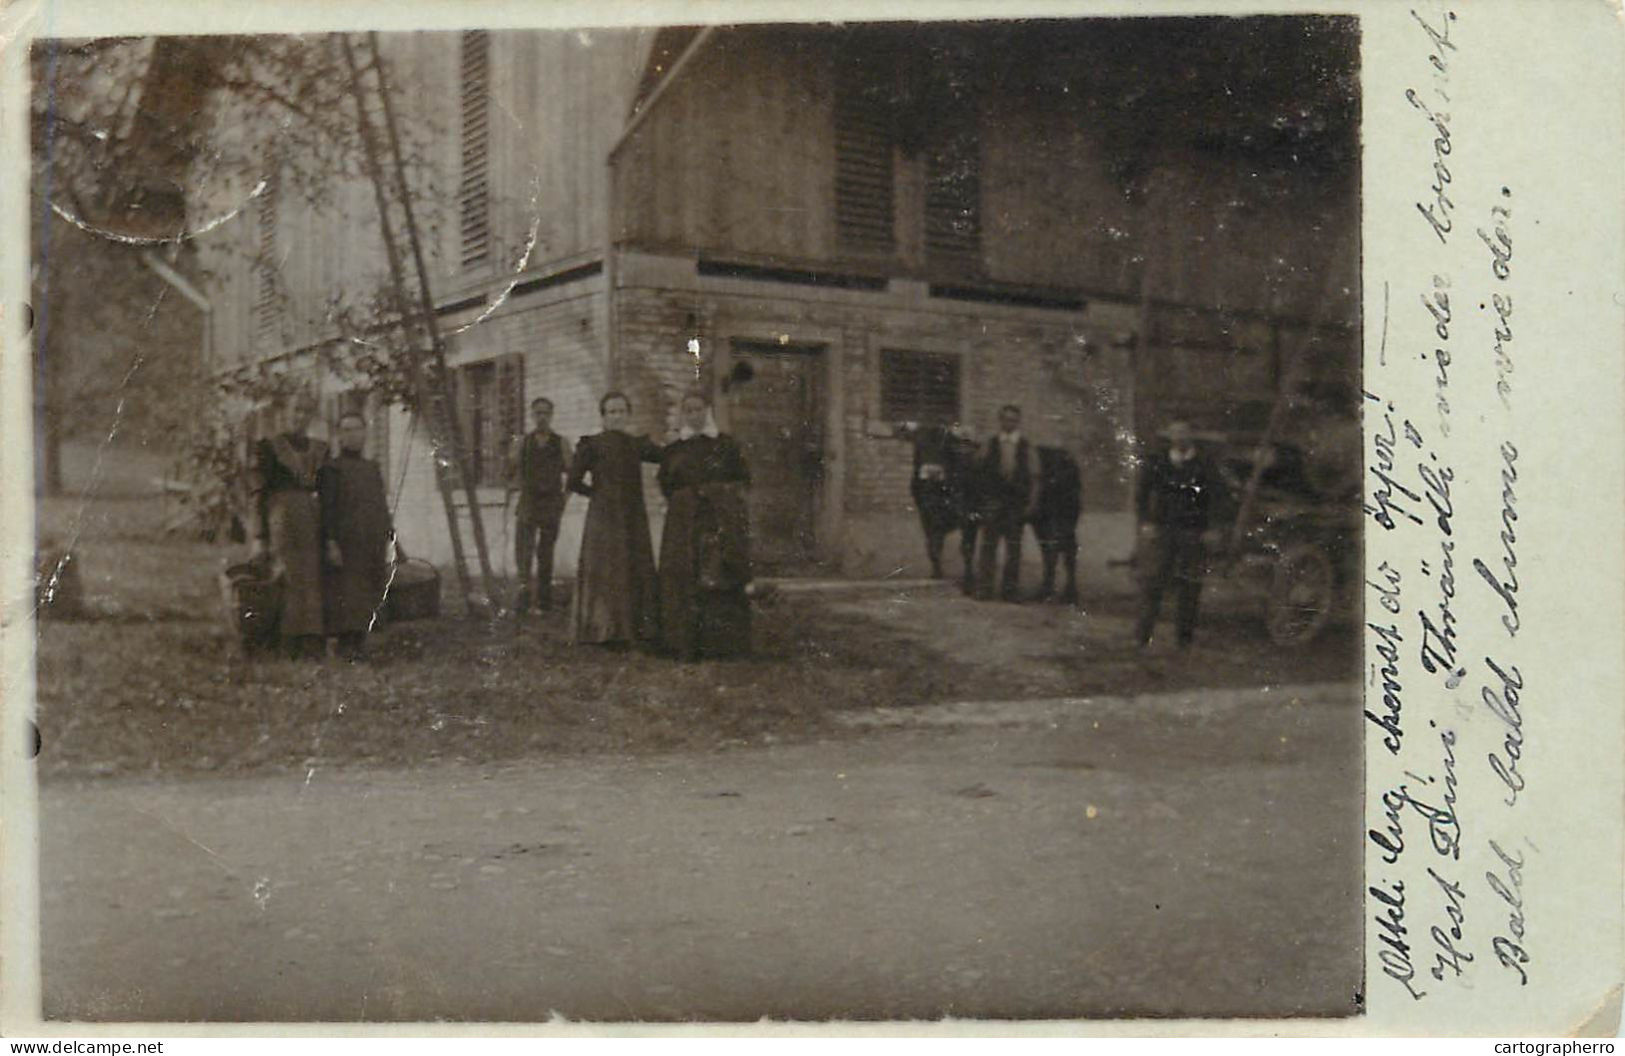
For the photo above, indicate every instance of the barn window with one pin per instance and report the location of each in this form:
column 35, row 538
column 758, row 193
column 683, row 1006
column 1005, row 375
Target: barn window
column 474, row 193
column 864, row 208
column 378, row 430
column 919, row 387
column 953, row 190
column 266, row 302
column 490, row 400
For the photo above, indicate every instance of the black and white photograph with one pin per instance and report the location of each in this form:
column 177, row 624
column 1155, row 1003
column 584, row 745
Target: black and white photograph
column 806, row 522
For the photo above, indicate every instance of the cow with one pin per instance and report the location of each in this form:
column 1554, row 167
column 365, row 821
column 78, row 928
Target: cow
column 1055, row 520
column 943, row 489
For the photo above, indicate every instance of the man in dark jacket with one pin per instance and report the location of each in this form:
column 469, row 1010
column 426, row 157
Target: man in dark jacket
column 1009, row 484
column 541, row 463
column 1177, row 489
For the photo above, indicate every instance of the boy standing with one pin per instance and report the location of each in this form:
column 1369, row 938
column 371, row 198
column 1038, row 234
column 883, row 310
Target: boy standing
column 543, row 460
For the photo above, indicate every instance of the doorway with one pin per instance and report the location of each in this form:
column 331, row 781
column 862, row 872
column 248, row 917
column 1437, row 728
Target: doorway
column 777, row 418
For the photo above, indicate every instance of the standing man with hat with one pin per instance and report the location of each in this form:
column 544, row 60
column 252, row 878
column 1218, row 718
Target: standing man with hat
column 540, row 467
column 1177, row 489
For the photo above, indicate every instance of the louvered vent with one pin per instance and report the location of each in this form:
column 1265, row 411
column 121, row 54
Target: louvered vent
column 864, row 208
column 474, row 193
column 953, row 192
column 266, row 303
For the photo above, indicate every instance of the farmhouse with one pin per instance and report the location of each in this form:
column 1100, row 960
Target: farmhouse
column 1110, row 223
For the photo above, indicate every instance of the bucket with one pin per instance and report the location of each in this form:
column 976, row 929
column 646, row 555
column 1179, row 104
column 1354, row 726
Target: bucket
column 414, row 594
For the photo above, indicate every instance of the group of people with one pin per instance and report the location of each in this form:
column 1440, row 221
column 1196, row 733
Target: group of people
column 322, row 524
column 322, row 527
column 696, row 604
column 991, row 492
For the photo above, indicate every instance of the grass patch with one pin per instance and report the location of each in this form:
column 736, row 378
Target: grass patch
column 167, row 695
column 150, row 682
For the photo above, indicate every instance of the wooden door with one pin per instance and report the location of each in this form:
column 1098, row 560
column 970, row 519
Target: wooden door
column 777, row 418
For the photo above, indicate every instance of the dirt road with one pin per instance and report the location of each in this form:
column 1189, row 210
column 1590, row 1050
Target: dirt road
column 1187, row 854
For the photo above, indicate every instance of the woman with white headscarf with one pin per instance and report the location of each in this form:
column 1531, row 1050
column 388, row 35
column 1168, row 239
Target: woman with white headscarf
column 705, row 547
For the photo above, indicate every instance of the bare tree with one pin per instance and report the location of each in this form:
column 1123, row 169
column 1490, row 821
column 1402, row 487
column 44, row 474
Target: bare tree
column 126, row 132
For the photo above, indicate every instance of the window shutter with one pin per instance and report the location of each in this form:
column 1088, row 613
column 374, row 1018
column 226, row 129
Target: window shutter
column 265, row 298
column 453, row 405
column 378, row 430
column 953, row 191
column 511, row 416
column 332, row 409
column 864, row 178
column 474, row 193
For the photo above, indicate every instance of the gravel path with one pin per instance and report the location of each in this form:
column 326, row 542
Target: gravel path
column 1081, row 858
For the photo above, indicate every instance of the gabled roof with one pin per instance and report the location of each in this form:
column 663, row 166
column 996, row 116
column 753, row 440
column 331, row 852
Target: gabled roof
column 669, row 43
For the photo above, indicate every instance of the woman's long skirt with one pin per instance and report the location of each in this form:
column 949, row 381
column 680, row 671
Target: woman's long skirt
column 704, row 568
column 296, row 556
column 616, row 596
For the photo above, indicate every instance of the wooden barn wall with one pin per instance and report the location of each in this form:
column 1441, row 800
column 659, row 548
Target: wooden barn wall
column 738, row 159
column 1052, row 213
column 737, row 155
column 224, row 250
column 559, row 100
column 1229, row 238
column 1213, row 230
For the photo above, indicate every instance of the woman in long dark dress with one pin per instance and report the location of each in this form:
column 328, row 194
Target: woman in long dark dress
column 356, row 527
column 287, row 526
column 705, row 549
column 616, row 597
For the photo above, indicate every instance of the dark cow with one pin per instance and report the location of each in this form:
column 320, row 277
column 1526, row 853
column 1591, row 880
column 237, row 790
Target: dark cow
column 943, row 487
column 1055, row 519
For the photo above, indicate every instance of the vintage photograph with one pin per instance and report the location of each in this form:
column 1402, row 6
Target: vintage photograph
column 700, row 523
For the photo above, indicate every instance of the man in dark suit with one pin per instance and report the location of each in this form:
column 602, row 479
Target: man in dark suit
column 1010, row 494
column 1177, row 489
column 540, row 466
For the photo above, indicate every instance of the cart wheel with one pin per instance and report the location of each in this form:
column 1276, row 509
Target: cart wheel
column 1300, row 598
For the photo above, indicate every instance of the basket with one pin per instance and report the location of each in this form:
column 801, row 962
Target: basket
column 253, row 602
column 414, row 594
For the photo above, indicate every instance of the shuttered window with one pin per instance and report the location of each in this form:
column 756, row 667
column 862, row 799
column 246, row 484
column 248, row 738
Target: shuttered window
column 378, row 430
column 864, row 180
column 266, row 303
column 953, row 190
column 490, row 400
column 474, row 192
column 919, row 387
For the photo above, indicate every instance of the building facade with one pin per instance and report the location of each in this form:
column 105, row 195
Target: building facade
column 888, row 224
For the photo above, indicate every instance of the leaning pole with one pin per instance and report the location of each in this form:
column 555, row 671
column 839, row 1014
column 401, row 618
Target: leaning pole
column 431, row 323
column 429, row 403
